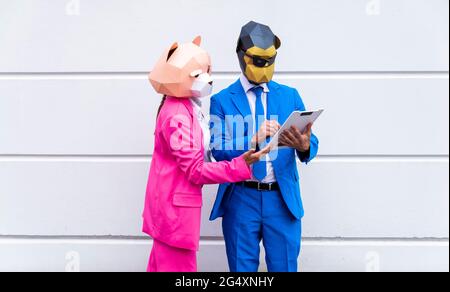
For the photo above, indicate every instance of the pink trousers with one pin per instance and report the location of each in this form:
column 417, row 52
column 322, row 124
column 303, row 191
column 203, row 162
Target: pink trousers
column 165, row 258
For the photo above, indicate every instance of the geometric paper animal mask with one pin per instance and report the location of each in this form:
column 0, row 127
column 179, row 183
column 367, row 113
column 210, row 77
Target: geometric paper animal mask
column 257, row 50
column 183, row 71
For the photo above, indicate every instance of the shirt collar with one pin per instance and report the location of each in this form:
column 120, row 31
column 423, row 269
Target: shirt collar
column 248, row 86
column 196, row 102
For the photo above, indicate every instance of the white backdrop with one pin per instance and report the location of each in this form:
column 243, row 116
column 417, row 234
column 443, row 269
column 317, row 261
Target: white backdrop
column 77, row 118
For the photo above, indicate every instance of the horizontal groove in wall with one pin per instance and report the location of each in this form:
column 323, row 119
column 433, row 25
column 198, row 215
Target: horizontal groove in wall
column 147, row 158
column 228, row 75
column 117, row 240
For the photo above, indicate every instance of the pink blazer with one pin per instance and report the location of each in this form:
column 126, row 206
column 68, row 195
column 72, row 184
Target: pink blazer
column 173, row 203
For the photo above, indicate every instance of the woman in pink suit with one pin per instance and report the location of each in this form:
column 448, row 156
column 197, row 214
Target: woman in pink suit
column 180, row 166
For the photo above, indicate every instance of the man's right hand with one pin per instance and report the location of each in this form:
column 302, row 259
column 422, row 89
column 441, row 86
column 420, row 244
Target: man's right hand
column 267, row 129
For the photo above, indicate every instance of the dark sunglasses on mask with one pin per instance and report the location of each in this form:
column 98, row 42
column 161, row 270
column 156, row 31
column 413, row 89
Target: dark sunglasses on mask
column 260, row 61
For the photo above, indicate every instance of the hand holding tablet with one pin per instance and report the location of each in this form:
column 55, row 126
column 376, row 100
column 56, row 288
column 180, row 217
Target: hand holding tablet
column 295, row 128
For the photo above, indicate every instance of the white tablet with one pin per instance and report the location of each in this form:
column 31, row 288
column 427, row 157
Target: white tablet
column 298, row 119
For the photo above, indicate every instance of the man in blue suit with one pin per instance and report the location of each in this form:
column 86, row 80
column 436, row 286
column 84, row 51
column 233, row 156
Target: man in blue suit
column 267, row 208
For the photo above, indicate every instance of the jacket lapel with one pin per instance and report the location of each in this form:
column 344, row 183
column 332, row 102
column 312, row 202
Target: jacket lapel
column 273, row 100
column 273, row 104
column 239, row 98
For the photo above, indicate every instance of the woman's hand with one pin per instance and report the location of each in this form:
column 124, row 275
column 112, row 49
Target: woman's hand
column 252, row 156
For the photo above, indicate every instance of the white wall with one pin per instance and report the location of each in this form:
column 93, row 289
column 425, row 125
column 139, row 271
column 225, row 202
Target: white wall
column 77, row 118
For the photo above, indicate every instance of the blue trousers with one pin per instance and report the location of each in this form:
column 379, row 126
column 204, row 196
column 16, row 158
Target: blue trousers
column 253, row 216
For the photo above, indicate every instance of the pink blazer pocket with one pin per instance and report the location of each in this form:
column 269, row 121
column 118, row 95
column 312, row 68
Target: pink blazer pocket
column 188, row 200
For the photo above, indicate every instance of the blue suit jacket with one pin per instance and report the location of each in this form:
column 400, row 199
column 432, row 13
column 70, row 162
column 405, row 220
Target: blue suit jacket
column 281, row 101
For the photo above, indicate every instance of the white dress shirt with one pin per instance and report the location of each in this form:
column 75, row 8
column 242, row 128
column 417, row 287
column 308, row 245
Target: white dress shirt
column 201, row 117
column 251, row 97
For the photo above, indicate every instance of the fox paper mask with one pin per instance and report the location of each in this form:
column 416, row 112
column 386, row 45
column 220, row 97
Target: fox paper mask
column 257, row 50
column 183, row 71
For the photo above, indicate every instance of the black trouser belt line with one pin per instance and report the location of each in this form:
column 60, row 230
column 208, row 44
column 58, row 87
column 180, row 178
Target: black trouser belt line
column 260, row 186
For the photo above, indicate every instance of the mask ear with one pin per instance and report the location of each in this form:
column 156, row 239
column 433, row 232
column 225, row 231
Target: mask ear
column 197, row 41
column 277, row 42
column 172, row 50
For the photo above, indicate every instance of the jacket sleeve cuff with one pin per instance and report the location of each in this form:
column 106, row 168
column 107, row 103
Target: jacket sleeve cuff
column 304, row 156
column 244, row 168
